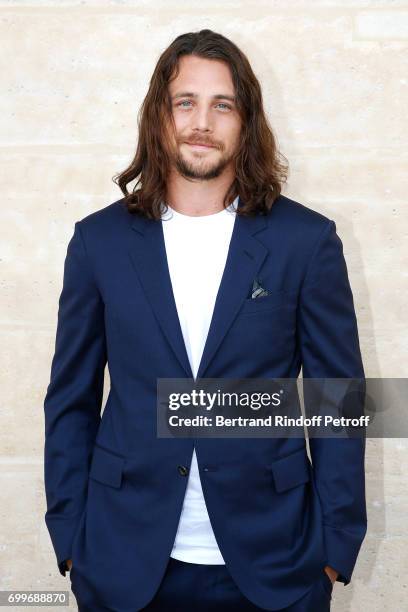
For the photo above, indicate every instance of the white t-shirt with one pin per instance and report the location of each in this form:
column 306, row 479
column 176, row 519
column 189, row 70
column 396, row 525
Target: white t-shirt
column 196, row 249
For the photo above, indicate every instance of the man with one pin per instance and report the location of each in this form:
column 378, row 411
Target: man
column 160, row 284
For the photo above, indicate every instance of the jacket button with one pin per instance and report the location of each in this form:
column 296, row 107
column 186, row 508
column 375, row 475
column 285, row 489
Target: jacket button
column 183, row 470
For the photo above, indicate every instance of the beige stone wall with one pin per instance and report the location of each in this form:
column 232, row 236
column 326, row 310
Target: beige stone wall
column 73, row 75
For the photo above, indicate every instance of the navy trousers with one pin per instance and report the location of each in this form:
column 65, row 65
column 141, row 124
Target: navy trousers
column 210, row 588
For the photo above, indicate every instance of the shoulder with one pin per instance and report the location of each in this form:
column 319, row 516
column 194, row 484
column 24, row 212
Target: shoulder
column 112, row 213
column 105, row 221
column 299, row 217
column 297, row 228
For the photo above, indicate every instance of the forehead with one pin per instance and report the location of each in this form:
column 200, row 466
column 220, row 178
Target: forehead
column 201, row 75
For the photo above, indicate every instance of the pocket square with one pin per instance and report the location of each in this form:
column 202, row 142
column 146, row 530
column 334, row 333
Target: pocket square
column 258, row 290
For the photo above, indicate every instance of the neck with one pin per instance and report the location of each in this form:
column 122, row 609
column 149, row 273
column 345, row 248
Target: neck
column 195, row 197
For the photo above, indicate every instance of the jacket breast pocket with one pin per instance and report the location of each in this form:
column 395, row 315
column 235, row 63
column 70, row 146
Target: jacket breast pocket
column 274, row 300
column 290, row 471
column 107, row 467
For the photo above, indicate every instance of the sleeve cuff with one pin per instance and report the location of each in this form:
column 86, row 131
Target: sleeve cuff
column 342, row 548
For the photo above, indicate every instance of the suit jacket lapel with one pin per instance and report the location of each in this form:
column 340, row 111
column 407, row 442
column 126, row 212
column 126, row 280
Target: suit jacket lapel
column 148, row 254
column 245, row 256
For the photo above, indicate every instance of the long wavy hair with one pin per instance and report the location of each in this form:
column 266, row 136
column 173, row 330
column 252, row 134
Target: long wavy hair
column 260, row 169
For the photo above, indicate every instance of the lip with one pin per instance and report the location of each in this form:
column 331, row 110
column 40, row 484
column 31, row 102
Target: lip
column 199, row 146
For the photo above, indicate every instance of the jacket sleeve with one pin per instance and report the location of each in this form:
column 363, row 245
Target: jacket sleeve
column 329, row 346
column 73, row 399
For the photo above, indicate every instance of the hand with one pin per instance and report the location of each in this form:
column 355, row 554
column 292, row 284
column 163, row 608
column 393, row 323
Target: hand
column 332, row 574
column 69, row 563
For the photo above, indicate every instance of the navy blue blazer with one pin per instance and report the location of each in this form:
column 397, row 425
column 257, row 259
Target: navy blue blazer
column 115, row 491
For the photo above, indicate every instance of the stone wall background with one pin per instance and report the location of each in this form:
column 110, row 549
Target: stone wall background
column 73, row 75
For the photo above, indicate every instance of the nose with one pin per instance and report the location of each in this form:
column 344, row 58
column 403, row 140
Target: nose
column 201, row 120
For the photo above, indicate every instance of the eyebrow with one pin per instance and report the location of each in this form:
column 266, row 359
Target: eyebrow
column 191, row 94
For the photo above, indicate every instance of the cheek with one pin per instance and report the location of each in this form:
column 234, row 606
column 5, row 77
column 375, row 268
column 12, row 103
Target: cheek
column 181, row 122
column 232, row 136
column 173, row 136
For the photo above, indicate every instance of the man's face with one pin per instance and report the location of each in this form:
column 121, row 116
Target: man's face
column 200, row 117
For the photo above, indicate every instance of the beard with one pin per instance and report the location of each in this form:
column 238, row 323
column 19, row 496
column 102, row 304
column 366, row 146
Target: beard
column 200, row 168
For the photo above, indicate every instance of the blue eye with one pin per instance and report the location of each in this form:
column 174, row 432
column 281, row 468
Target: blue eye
column 188, row 102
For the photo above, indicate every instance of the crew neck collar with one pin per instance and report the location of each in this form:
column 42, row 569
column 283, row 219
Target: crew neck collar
column 230, row 209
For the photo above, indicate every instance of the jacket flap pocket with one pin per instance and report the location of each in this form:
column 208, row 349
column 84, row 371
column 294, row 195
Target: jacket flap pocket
column 106, row 467
column 292, row 470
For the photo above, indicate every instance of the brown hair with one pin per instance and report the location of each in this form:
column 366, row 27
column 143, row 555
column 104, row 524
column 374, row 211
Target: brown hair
column 259, row 171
